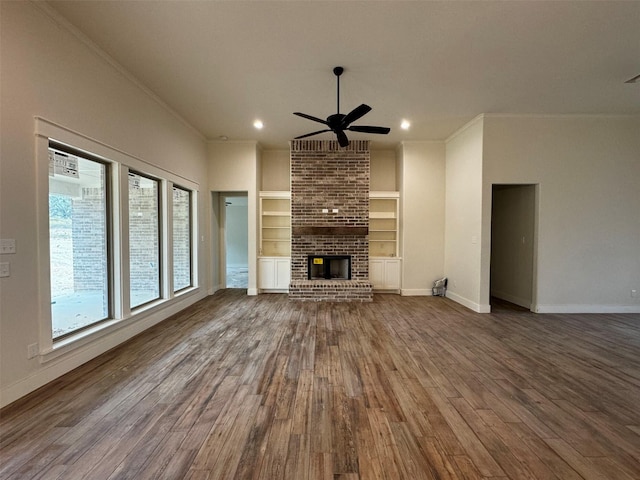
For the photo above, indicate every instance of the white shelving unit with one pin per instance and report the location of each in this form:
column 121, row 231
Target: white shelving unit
column 384, row 260
column 274, row 259
column 275, row 224
column 383, row 224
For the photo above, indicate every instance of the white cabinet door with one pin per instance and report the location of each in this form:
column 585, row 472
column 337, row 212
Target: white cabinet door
column 392, row 274
column 282, row 273
column 266, row 273
column 376, row 273
column 384, row 273
column 274, row 273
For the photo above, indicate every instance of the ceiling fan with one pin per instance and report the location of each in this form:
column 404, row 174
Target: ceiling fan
column 339, row 122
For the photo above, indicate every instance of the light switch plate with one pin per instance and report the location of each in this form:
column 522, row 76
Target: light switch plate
column 7, row 246
column 5, row 270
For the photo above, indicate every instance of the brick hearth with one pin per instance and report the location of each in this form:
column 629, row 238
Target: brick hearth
column 326, row 176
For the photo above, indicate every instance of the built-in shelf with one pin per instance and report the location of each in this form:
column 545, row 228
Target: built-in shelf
column 383, row 224
column 275, row 224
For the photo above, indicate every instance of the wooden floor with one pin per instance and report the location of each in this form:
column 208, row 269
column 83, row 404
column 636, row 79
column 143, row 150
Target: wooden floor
column 402, row 388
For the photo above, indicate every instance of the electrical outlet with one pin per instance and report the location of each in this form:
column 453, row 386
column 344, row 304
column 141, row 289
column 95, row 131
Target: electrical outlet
column 7, row 246
column 5, row 270
column 32, row 350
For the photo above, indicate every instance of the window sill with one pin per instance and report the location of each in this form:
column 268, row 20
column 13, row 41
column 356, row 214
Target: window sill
column 87, row 338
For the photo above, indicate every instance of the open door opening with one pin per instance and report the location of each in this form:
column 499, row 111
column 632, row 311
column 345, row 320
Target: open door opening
column 513, row 246
column 234, row 242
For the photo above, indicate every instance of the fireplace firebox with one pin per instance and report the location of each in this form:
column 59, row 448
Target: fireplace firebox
column 329, row 267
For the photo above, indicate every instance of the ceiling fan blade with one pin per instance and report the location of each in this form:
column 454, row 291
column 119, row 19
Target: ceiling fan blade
column 369, row 129
column 310, row 134
column 355, row 114
column 342, row 138
column 309, row 117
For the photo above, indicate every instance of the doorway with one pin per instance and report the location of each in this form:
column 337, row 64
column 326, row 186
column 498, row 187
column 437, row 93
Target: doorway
column 513, row 245
column 234, row 239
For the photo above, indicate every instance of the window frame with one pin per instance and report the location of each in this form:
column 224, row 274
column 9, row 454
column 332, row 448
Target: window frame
column 108, row 218
column 162, row 243
column 191, row 239
column 124, row 319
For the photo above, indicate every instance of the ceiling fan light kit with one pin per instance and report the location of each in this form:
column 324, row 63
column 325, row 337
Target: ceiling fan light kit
column 338, row 123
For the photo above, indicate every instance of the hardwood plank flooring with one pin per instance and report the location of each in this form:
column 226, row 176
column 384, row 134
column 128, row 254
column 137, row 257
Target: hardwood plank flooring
column 239, row 387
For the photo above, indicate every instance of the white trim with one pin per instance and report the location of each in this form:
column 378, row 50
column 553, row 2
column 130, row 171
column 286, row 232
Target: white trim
column 252, row 292
column 561, row 115
column 384, row 194
column 60, row 133
column 277, row 194
column 476, row 307
column 466, row 126
column 586, row 308
column 234, row 142
column 416, row 292
column 417, row 142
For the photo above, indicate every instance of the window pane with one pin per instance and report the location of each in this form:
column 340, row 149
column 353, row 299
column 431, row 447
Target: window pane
column 181, row 239
column 144, row 239
column 78, row 237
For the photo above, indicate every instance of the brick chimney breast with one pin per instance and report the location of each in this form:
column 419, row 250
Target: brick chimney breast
column 330, row 216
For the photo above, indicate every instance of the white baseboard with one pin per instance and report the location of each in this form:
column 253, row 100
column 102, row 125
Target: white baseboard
column 586, row 308
column 476, row 307
column 416, row 292
column 252, row 291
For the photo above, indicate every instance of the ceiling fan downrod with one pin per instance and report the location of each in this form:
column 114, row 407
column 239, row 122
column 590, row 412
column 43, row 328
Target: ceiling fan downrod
column 337, row 71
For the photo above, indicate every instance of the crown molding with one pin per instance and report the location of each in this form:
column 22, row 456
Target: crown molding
column 466, row 126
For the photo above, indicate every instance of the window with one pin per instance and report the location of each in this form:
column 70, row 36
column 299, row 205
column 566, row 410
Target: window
column 181, row 238
column 144, row 239
column 121, row 238
column 79, row 240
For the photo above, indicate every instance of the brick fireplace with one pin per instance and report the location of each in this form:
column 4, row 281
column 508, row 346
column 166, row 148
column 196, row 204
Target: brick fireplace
column 330, row 218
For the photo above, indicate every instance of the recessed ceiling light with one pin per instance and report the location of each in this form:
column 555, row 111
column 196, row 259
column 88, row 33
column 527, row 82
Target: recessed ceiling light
column 405, row 125
column 258, row 124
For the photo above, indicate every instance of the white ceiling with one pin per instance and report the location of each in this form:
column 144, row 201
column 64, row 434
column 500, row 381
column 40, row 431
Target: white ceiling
column 222, row 64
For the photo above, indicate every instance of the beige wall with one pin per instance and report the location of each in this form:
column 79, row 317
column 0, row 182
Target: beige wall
column 276, row 171
column 588, row 171
column 422, row 183
column 383, row 171
column 48, row 72
column 463, row 217
column 235, row 167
